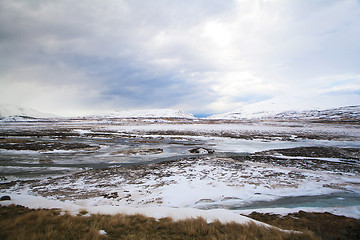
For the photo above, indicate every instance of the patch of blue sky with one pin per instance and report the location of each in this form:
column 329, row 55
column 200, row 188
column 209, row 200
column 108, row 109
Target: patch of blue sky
column 202, row 115
column 343, row 82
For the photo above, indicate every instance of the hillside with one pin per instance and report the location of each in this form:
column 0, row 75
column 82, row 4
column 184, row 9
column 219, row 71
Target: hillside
column 348, row 114
column 148, row 113
column 11, row 112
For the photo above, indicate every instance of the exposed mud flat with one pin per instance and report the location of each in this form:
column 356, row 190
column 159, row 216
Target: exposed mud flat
column 329, row 159
column 40, row 145
column 138, row 151
column 324, row 152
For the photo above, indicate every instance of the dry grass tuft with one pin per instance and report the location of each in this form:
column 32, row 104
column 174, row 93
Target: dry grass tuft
column 21, row 223
column 324, row 225
column 82, row 212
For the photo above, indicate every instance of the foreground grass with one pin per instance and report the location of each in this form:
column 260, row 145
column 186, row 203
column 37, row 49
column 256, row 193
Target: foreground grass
column 17, row 222
column 325, row 225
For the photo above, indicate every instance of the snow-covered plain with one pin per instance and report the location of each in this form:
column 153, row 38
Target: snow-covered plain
column 201, row 182
column 74, row 208
column 213, row 185
column 240, row 128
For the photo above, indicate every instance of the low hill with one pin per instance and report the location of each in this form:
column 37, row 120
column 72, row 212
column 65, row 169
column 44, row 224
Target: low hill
column 149, row 113
column 347, row 114
column 16, row 113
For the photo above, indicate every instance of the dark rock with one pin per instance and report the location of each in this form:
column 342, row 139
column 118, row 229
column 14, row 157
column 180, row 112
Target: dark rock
column 201, row 150
column 5, row 198
column 111, row 195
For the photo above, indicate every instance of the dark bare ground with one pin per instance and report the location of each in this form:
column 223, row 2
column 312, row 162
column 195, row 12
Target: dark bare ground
column 251, row 135
column 54, row 133
column 348, row 163
column 324, row 225
column 29, row 144
column 325, row 152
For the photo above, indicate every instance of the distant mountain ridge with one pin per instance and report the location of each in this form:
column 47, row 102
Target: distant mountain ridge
column 149, row 113
column 341, row 113
column 348, row 113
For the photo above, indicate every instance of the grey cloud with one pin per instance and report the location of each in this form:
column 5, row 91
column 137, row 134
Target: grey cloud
column 157, row 54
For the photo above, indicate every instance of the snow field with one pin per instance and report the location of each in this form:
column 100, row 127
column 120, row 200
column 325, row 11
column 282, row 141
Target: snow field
column 200, row 183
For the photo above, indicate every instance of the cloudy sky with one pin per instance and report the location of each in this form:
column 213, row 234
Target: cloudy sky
column 73, row 57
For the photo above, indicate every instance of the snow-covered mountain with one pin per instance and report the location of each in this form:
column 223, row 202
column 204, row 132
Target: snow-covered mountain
column 315, row 107
column 262, row 109
column 149, row 113
column 348, row 113
column 18, row 112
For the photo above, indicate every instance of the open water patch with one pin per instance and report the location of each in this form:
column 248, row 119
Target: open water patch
column 337, row 199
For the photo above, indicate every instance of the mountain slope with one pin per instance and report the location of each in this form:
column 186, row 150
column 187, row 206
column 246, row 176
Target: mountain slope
column 288, row 107
column 348, row 114
column 10, row 111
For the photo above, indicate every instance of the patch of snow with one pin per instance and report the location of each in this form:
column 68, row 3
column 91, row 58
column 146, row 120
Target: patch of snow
column 223, row 215
column 310, row 158
column 82, row 131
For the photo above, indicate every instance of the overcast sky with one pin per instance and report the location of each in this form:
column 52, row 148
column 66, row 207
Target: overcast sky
column 73, row 57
